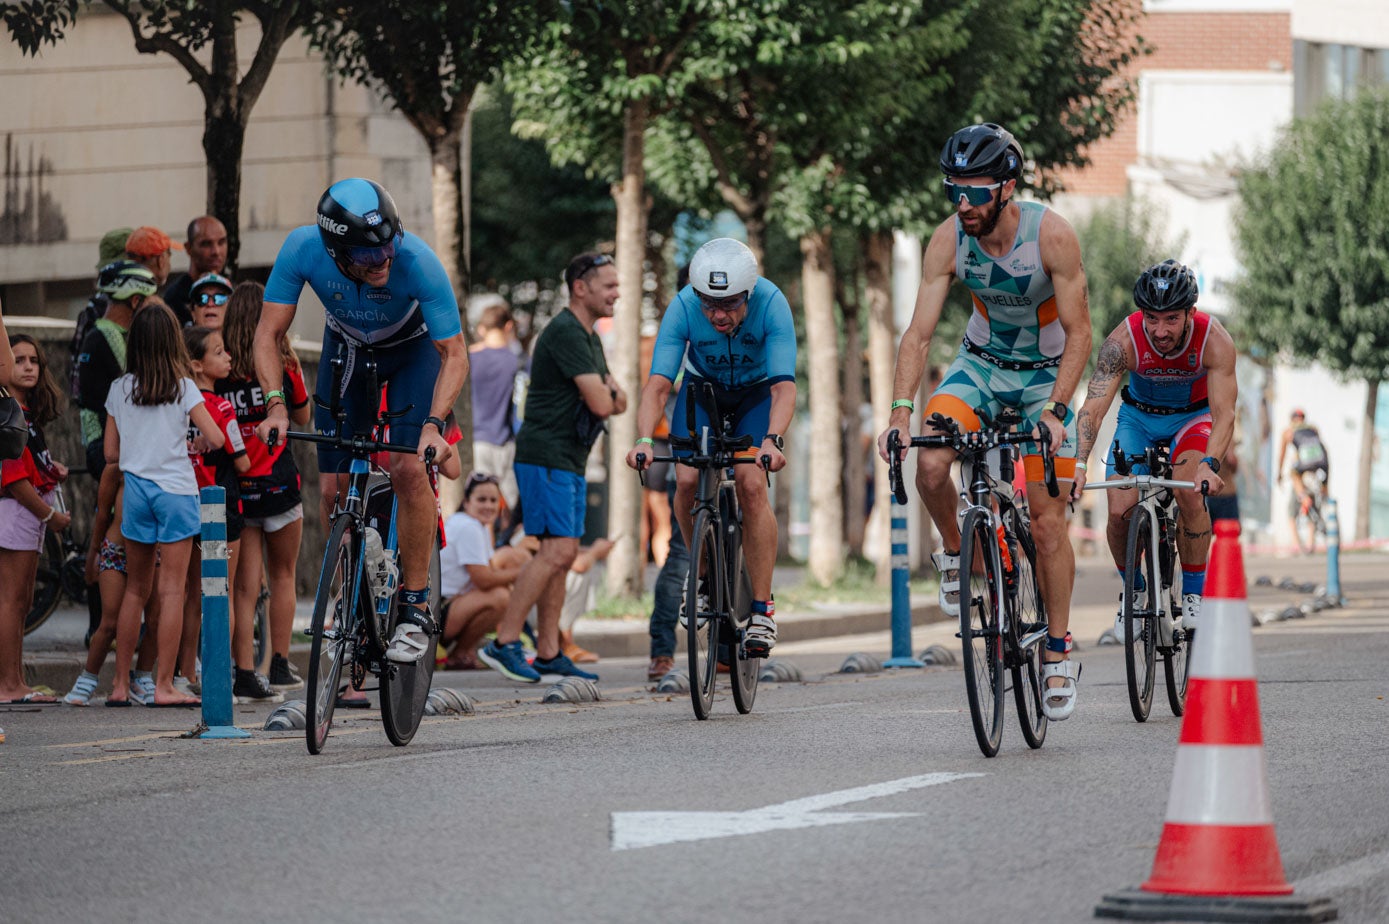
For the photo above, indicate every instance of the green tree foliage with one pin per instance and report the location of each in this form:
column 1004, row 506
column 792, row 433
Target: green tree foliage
column 182, row 30
column 1119, row 241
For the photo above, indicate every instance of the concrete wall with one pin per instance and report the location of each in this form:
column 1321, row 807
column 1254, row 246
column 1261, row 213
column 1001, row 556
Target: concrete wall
column 1346, row 22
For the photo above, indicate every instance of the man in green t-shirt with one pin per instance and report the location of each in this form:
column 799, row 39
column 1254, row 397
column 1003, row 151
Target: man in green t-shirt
column 571, row 394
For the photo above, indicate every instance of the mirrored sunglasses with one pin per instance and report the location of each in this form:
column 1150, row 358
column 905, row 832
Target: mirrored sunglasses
column 212, row 298
column 974, row 195
column 726, row 305
column 371, row 257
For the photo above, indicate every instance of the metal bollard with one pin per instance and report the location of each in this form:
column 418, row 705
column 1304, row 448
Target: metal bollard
column 216, row 635
column 901, row 594
column 1333, row 553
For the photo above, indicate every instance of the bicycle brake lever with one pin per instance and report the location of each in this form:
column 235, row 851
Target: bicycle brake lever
column 767, row 468
column 274, row 437
column 641, row 468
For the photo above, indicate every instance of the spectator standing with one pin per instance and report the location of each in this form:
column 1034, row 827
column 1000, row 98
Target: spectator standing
column 271, row 504
column 207, row 253
column 127, row 286
column 154, row 250
column 208, row 300
column 152, row 406
column 111, row 249
column 27, row 495
column 571, row 394
column 495, row 364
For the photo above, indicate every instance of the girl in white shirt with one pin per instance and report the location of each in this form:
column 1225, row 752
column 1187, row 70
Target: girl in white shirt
column 474, row 578
column 151, row 406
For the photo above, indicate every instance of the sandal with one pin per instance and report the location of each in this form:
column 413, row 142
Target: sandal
column 949, row 567
column 1059, row 702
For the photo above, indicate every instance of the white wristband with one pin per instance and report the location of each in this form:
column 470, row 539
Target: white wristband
column 51, row 511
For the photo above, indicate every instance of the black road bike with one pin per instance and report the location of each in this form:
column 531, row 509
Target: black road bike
column 1003, row 620
column 354, row 611
column 62, row 570
column 718, row 590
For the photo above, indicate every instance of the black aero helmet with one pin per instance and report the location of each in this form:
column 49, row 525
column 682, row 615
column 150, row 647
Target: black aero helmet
column 358, row 222
column 986, row 150
column 1166, row 286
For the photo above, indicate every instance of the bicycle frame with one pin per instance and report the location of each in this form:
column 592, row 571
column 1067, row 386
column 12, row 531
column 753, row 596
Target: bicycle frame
column 1151, row 491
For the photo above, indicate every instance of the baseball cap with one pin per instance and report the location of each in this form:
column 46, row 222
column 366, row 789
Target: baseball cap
column 148, row 241
column 112, row 246
column 211, row 279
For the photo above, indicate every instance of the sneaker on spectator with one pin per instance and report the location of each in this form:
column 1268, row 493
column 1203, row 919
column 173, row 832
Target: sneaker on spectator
column 82, row 690
column 250, row 688
column 509, row 660
column 283, row 676
column 560, row 664
column 659, row 667
column 141, row 687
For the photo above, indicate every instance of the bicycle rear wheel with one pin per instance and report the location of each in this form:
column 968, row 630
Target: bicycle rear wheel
column 336, row 610
column 48, row 583
column 405, row 686
column 981, row 637
column 1031, row 616
column 1140, row 607
column 701, row 619
column 742, row 671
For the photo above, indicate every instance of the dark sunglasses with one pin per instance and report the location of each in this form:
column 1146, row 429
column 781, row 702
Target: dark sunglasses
column 727, row 304
column 974, row 195
column 581, row 268
column 212, row 298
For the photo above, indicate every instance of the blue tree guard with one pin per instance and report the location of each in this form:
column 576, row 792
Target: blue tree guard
column 216, row 635
column 901, row 594
column 1333, row 552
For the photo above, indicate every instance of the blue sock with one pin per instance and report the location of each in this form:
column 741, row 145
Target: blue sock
column 1194, row 581
column 1138, row 582
column 763, row 607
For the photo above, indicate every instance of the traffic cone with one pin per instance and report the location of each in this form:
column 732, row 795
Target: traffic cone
column 1218, row 858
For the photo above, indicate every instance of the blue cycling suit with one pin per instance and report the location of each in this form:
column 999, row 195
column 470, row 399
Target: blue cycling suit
column 742, row 365
column 396, row 321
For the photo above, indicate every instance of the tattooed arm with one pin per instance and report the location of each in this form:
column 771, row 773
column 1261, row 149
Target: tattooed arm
column 1116, row 358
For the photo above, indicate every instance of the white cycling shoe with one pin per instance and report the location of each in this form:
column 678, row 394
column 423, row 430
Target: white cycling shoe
column 413, row 638
column 760, row 637
column 1191, row 611
column 949, row 567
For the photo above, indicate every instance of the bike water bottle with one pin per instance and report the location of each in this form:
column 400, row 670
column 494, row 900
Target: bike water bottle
column 380, row 564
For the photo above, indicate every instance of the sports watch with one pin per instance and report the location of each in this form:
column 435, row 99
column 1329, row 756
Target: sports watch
column 1059, row 409
column 438, row 424
column 1212, row 463
column 776, row 439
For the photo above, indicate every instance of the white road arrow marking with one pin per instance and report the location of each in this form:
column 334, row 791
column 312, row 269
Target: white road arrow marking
column 633, row 830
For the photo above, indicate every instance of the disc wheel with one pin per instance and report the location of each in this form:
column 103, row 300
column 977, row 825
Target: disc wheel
column 335, row 612
column 405, row 686
column 701, row 621
column 743, row 671
column 1140, row 621
column 981, row 639
column 1030, row 617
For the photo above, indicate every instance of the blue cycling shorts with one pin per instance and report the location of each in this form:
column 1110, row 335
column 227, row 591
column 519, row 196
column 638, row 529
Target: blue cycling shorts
column 1136, row 430
column 747, row 410
column 410, row 369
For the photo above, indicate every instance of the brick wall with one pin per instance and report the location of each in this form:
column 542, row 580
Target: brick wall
column 1185, row 41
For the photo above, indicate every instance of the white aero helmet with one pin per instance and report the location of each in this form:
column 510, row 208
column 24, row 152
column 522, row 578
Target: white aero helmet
column 723, row 267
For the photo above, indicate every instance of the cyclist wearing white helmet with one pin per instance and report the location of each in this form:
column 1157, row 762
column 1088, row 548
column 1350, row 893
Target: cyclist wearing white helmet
column 730, row 327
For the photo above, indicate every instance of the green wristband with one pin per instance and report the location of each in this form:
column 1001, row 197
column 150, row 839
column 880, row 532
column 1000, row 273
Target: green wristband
column 271, row 395
column 907, row 403
column 647, row 440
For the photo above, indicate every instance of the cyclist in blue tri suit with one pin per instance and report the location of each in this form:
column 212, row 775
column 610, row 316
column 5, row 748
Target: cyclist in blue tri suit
column 383, row 289
column 732, row 327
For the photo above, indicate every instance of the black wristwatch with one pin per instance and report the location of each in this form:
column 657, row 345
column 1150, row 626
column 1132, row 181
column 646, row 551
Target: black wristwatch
column 438, row 424
column 1212, row 463
column 776, row 441
column 1058, row 410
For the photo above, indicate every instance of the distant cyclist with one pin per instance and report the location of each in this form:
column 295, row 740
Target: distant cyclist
column 1181, row 388
column 1309, row 458
column 733, row 328
column 386, row 291
column 1025, row 347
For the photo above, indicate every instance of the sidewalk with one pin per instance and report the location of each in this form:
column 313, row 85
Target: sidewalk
column 53, row 653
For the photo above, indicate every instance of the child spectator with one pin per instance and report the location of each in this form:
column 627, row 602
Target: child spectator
column 474, row 578
column 152, row 405
column 208, row 300
column 223, row 468
column 271, row 504
column 27, row 495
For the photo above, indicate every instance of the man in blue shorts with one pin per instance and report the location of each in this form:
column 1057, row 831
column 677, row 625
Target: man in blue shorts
column 1025, row 347
column 385, row 293
column 571, row 394
column 733, row 328
column 1181, row 389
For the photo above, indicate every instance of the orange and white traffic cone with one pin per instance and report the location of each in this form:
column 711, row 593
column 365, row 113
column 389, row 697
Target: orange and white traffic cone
column 1218, row 858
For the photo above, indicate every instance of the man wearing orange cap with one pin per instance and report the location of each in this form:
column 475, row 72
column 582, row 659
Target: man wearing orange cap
column 153, row 249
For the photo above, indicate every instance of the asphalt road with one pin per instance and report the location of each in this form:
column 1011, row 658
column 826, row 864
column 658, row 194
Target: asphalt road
column 841, row 798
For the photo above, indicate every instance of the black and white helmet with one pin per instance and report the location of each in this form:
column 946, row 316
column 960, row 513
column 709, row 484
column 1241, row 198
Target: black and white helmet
column 358, row 222
column 1166, row 286
column 986, row 150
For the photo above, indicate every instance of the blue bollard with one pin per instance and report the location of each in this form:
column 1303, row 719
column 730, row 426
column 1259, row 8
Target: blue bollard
column 216, row 635
column 1333, row 552
column 901, row 594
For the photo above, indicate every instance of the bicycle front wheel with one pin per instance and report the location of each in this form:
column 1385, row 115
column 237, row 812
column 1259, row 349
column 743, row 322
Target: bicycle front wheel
column 981, row 637
column 405, row 686
column 336, row 610
column 701, row 613
column 1140, row 608
column 1030, row 617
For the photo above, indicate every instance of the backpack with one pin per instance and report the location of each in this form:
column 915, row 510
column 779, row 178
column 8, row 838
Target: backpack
column 86, row 319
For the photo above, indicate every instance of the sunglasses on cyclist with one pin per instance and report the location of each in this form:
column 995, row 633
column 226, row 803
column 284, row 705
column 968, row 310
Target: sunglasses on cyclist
column 213, row 298
column 974, row 195
column 583, row 266
column 727, row 305
column 371, row 258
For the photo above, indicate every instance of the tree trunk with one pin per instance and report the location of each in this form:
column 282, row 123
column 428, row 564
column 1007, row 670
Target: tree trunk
column 1367, row 460
column 882, row 340
column 625, row 565
column 822, row 349
column 224, row 137
column 855, row 471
